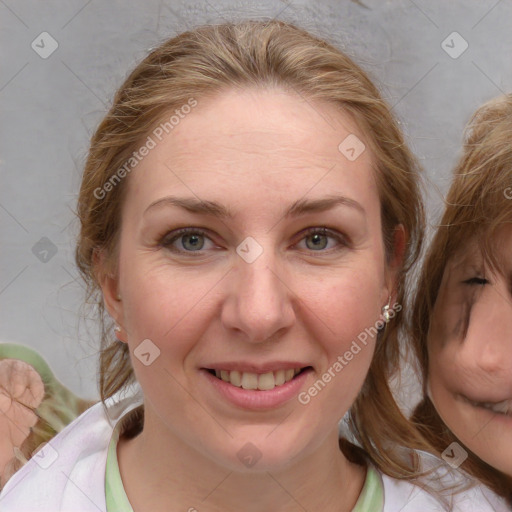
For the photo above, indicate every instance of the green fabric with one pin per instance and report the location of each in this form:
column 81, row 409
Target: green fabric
column 371, row 498
column 116, row 498
column 30, row 356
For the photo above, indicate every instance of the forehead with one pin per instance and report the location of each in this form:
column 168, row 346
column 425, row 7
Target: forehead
column 471, row 252
column 468, row 253
column 256, row 141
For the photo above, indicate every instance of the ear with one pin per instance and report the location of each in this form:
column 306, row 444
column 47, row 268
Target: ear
column 394, row 263
column 108, row 281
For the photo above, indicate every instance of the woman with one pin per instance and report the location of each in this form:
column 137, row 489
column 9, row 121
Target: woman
column 462, row 315
column 249, row 212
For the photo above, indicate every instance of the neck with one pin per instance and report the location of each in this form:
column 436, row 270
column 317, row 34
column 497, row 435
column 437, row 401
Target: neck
column 157, row 476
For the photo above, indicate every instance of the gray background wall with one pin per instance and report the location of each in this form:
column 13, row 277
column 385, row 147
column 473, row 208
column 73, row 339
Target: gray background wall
column 49, row 107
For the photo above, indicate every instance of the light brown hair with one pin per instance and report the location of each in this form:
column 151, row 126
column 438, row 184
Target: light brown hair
column 211, row 59
column 478, row 204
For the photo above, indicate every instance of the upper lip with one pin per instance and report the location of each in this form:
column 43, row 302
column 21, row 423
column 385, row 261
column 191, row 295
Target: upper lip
column 261, row 368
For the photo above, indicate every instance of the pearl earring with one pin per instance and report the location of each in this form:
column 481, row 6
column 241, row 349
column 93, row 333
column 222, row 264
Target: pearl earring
column 385, row 312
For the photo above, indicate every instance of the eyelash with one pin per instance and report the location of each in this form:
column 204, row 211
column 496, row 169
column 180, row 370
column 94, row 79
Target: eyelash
column 476, row 281
column 173, row 236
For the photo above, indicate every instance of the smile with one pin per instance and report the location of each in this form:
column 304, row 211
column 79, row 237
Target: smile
column 504, row 407
column 257, row 387
column 263, row 381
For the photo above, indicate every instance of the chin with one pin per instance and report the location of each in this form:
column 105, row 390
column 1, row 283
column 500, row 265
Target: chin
column 499, row 459
column 258, row 453
column 493, row 447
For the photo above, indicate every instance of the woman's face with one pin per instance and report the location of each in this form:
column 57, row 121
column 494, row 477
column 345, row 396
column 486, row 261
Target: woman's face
column 281, row 268
column 470, row 352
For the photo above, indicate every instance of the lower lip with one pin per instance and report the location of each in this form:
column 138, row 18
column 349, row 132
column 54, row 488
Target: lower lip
column 257, row 400
column 496, row 416
column 493, row 416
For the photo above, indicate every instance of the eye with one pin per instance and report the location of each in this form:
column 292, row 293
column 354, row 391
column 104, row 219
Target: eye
column 187, row 240
column 319, row 239
column 476, row 281
column 195, row 240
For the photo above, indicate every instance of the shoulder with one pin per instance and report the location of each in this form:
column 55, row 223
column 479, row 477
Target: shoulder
column 405, row 496
column 58, row 477
column 479, row 498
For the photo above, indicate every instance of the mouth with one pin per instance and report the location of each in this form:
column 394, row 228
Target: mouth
column 503, row 407
column 257, row 381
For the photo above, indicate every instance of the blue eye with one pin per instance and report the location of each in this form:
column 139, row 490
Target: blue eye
column 186, row 240
column 317, row 239
column 476, row 281
column 192, row 242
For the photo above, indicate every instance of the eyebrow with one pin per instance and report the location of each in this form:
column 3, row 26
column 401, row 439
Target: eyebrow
column 299, row 207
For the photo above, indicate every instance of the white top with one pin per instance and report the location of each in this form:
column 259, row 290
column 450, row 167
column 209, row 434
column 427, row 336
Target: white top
column 68, row 473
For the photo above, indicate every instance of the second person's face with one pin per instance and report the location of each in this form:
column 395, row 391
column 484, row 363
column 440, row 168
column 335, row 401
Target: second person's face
column 470, row 352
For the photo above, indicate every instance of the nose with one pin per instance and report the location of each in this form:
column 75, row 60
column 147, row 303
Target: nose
column 487, row 347
column 259, row 303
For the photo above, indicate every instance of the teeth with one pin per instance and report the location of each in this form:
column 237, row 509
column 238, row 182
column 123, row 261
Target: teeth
column 235, row 378
column 266, row 381
column 263, row 382
column 279, row 378
column 501, row 407
column 249, row 380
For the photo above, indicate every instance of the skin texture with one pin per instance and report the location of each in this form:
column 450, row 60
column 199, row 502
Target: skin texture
column 255, row 152
column 21, row 389
column 470, row 351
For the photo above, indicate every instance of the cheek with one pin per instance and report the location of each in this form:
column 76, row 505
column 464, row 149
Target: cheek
column 167, row 306
column 446, row 323
column 459, row 418
column 441, row 396
column 446, row 377
column 349, row 310
column 347, row 303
